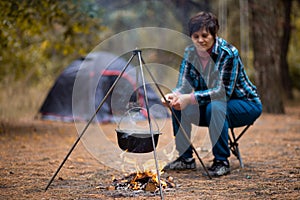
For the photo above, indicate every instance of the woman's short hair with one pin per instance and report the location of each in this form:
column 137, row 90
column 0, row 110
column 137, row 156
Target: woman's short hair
column 204, row 20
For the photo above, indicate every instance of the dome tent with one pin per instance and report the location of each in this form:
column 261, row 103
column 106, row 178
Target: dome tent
column 82, row 85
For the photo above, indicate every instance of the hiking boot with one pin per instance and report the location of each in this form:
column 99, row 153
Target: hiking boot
column 219, row 168
column 181, row 164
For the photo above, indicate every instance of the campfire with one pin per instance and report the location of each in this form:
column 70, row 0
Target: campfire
column 141, row 181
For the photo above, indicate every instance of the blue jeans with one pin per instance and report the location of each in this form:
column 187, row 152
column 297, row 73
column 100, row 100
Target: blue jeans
column 218, row 116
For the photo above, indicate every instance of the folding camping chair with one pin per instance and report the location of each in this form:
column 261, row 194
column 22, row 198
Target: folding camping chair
column 233, row 142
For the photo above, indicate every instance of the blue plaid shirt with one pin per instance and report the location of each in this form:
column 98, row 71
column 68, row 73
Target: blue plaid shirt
column 223, row 78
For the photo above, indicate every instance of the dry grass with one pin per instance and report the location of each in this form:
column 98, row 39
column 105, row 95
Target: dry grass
column 19, row 101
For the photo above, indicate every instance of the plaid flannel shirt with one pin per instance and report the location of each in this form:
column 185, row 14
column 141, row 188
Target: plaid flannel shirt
column 223, row 78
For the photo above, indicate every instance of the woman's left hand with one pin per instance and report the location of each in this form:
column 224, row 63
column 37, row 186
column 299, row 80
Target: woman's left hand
column 181, row 101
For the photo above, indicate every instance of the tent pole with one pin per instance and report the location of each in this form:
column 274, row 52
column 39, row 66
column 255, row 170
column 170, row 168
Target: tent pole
column 90, row 121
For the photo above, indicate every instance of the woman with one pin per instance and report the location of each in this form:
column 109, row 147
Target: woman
column 213, row 90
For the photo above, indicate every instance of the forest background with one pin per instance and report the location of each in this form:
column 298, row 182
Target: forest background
column 40, row 38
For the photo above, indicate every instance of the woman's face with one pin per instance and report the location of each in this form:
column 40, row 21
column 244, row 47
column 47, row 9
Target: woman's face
column 203, row 40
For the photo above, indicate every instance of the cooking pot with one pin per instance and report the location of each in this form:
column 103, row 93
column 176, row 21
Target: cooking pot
column 136, row 142
column 136, row 138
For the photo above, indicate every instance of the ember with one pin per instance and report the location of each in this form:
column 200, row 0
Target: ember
column 146, row 181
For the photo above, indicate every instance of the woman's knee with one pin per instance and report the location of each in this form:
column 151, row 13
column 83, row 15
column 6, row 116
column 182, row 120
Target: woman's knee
column 215, row 108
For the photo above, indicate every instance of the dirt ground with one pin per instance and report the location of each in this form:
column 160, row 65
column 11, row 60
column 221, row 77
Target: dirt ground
column 31, row 151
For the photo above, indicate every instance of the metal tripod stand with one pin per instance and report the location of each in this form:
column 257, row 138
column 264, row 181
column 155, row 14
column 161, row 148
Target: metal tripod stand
column 141, row 65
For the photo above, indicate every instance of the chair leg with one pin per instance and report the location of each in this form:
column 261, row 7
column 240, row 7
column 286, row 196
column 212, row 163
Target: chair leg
column 234, row 146
column 238, row 155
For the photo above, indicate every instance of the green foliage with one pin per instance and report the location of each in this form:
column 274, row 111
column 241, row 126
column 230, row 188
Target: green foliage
column 136, row 14
column 39, row 37
column 294, row 47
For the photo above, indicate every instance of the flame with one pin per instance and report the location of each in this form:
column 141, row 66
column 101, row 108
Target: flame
column 144, row 175
column 147, row 180
column 155, row 180
column 139, row 176
column 135, row 186
column 147, row 174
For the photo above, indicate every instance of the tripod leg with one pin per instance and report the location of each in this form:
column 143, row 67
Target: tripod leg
column 92, row 118
column 150, row 125
column 182, row 129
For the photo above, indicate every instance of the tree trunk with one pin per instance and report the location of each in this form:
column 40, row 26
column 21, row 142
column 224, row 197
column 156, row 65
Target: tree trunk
column 284, row 67
column 266, row 48
column 186, row 8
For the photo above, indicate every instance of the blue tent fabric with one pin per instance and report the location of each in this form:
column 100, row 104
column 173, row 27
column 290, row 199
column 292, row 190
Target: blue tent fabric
column 100, row 69
column 58, row 103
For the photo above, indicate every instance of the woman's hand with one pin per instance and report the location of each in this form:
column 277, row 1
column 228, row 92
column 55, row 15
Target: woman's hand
column 177, row 101
column 170, row 97
column 181, row 102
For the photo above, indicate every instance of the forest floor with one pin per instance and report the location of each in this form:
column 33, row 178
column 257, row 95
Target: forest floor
column 31, row 151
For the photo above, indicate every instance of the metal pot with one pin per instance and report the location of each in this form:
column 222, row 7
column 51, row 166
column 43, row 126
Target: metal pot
column 134, row 134
column 136, row 142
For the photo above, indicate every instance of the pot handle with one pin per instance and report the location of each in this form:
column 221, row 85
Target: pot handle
column 136, row 109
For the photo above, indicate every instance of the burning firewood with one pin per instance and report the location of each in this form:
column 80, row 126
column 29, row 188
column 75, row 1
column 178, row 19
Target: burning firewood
column 145, row 181
column 150, row 187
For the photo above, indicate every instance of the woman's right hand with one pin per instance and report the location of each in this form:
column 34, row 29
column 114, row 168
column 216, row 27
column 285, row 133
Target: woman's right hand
column 177, row 101
column 169, row 99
